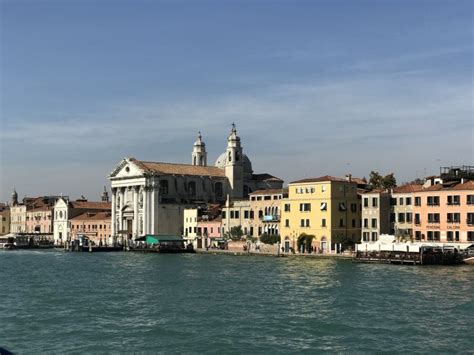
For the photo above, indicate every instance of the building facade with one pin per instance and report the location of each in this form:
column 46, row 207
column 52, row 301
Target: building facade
column 375, row 214
column 65, row 209
column 327, row 208
column 444, row 212
column 237, row 213
column 402, row 210
column 265, row 207
column 95, row 225
column 4, row 219
column 150, row 197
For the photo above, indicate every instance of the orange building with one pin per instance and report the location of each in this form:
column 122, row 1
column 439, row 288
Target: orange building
column 95, row 225
column 445, row 212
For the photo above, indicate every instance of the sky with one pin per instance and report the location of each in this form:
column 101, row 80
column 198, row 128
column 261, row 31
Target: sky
column 314, row 87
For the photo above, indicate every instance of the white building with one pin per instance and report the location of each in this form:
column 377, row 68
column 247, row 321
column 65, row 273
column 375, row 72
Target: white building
column 150, row 197
column 64, row 210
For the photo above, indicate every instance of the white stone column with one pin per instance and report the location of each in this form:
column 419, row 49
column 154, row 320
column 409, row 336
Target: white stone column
column 122, row 195
column 153, row 210
column 114, row 201
column 135, row 212
column 145, row 210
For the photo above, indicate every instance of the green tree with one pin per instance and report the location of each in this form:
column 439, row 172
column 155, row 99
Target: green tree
column 389, row 181
column 235, row 233
column 377, row 181
column 269, row 239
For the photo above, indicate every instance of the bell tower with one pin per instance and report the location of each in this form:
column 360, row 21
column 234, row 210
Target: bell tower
column 199, row 155
column 234, row 167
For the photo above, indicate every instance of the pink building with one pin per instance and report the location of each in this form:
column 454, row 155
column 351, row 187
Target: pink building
column 95, row 225
column 445, row 212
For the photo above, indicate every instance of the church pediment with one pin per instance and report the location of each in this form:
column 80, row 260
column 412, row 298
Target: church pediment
column 127, row 168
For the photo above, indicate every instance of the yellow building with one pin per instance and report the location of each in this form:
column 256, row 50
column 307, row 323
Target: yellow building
column 327, row 208
column 4, row 219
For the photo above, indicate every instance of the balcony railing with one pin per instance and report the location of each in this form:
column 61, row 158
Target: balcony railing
column 270, row 218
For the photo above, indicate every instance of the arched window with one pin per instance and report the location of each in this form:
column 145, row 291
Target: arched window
column 194, row 160
column 230, row 156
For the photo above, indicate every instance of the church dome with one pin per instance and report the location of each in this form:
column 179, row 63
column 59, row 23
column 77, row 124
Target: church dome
column 220, row 163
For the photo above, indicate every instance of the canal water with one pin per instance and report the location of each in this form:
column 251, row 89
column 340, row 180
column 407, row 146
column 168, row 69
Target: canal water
column 57, row 302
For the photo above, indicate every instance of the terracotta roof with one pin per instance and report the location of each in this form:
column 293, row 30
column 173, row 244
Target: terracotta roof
column 359, row 181
column 265, row 177
column 90, row 205
column 456, row 186
column 270, row 192
column 408, row 188
column 178, row 169
column 322, row 179
column 93, row 216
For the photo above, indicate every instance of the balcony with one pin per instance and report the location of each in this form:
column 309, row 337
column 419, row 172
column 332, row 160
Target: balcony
column 270, row 218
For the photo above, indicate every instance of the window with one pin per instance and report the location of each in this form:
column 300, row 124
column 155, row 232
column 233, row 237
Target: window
column 433, row 217
column 401, row 218
column 324, row 206
column 393, row 201
column 287, row 222
column 392, row 217
column 470, row 219
column 163, row 189
column 353, row 223
column 417, row 201
column 304, row 223
column 323, row 222
column 470, row 199
column 433, row 200
column 375, row 201
column 374, row 222
column 236, row 214
column 323, row 188
column 366, row 202
column 246, row 214
column 287, row 207
column 232, row 214
column 365, row 236
column 409, row 217
column 341, row 222
column 408, row 201
column 454, row 217
column 417, row 218
column 251, row 214
column 223, row 214
column 342, row 206
column 434, row 235
column 400, row 201
column 366, row 223
column 470, row 236
column 449, row 236
column 353, row 207
column 454, row 200
column 418, row 235
column 374, row 236
column 266, row 198
column 305, row 207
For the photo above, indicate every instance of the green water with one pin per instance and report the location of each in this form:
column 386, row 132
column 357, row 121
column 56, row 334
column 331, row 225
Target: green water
column 56, row 302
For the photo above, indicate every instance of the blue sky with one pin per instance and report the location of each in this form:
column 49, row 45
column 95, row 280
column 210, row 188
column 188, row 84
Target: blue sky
column 315, row 87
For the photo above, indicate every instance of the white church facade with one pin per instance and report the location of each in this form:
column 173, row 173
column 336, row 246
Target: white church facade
column 150, row 197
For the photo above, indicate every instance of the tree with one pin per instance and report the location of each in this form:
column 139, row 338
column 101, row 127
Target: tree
column 235, row 233
column 389, row 181
column 377, row 181
column 269, row 239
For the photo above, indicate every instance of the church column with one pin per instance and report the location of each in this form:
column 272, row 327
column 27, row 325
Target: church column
column 135, row 212
column 145, row 210
column 114, row 201
column 122, row 195
column 154, row 208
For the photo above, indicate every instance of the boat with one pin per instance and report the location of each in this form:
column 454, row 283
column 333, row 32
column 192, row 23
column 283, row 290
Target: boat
column 469, row 260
